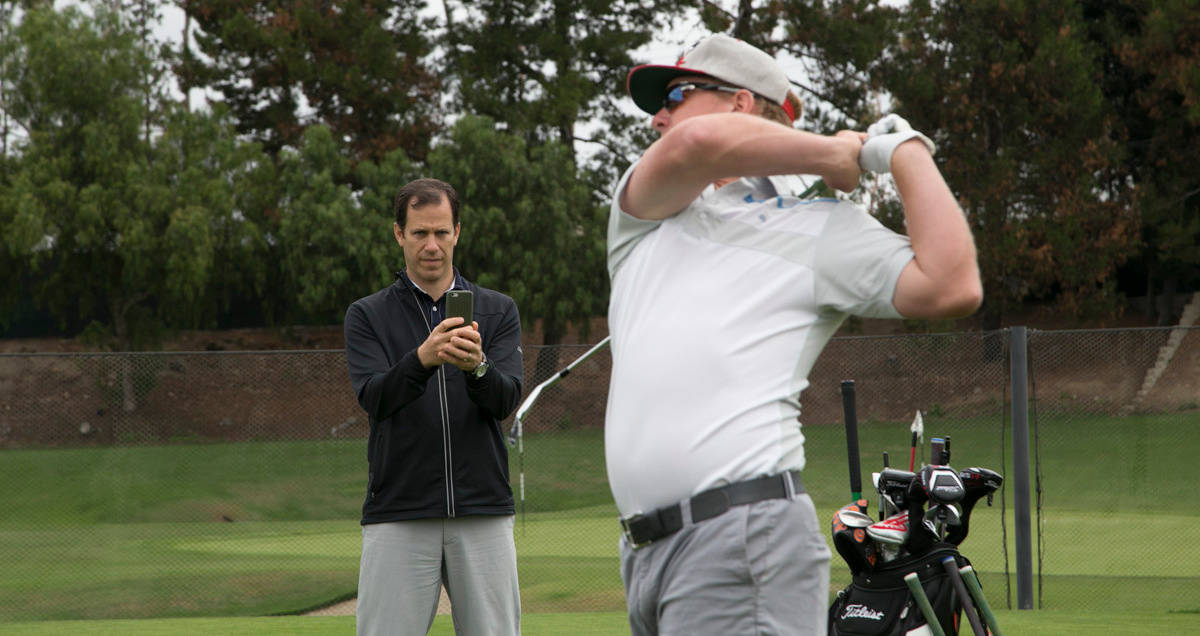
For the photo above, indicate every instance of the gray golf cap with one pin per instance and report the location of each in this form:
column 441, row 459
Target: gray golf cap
column 721, row 57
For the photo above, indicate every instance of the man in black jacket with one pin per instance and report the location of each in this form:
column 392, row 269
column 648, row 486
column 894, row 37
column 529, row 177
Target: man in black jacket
column 439, row 508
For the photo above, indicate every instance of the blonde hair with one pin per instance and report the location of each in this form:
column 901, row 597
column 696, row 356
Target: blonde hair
column 766, row 108
column 771, row 111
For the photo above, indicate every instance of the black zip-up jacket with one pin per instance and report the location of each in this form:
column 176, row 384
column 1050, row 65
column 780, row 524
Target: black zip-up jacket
column 436, row 448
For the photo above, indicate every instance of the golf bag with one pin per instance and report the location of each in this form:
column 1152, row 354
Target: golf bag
column 878, row 603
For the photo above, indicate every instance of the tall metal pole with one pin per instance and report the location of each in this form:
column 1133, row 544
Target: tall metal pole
column 1018, row 343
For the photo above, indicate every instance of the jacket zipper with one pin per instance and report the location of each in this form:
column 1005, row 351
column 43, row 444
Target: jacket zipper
column 447, row 456
column 444, row 410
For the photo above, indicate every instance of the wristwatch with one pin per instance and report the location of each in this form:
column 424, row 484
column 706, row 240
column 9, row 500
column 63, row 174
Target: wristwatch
column 482, row 368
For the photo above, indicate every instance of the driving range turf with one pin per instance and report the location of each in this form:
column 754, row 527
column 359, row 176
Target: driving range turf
column 249, row 532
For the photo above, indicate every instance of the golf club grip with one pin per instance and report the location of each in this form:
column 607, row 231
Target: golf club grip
column 964, row 597
column 914, row 585
column 850, row 410
column 972, row 581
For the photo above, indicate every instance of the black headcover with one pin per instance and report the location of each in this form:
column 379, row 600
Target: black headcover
column 856, row 548
column 977, row 484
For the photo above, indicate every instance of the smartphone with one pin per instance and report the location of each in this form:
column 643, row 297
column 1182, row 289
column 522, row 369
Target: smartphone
column 460, row 302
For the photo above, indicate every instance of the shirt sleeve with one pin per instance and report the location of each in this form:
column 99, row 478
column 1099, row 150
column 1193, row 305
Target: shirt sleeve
column 499, row 390
column 624, row 229
column 381, row 388
column 858, row 263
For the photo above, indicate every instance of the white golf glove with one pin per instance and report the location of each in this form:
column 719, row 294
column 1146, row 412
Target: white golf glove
column 883, row 137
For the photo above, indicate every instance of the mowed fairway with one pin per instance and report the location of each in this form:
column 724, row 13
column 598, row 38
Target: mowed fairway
column 268, row 529
column 1013, row 622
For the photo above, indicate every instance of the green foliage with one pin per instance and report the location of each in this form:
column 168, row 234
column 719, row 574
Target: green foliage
column 229, row 186
column 1008, row 91
column 530, row 227
column 1068, row 131
column 1149, row 52
column 359, row 65
column 331, row 246
column 87, row 220
column 543, row 68
column 841, row 43
column 115, row 227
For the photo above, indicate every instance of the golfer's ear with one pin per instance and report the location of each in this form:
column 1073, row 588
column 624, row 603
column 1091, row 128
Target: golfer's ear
column 743, row 101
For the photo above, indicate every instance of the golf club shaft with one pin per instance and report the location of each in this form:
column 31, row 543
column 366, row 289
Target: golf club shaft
column 912, row 454
column 849, row 408
column 972, row 581
column 964, row 596
column 914, row 585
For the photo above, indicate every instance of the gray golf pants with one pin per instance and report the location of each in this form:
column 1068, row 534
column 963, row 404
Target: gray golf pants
column 405, row 563
column 758, row 569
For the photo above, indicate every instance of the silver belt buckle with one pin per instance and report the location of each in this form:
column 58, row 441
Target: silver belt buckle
column 629, row 534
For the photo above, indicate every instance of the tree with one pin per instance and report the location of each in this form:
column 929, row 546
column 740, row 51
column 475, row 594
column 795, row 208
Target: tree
column 550, row 69
column 531, row 228
column 112, row 228
column 1010, row 93
column 235, row 183
column 1149, row 56
column 333, row 247
column 357, row 66
column 841, row 45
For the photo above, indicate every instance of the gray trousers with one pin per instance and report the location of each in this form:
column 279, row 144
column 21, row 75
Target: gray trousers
column 758, row 569
column 406, row 563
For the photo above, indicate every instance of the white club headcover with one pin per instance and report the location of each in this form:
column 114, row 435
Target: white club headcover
column 883, row 137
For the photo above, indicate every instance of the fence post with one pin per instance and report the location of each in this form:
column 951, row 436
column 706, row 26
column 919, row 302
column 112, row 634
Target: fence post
column 1017, row 352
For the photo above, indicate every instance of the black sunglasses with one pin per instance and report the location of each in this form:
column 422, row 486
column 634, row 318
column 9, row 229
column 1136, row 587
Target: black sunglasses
column 676, row 94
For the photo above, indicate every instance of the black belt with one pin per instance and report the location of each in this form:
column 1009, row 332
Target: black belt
column 657, row 524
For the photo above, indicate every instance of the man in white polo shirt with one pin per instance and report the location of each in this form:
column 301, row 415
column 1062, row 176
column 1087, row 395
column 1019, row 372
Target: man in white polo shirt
column 725, row 288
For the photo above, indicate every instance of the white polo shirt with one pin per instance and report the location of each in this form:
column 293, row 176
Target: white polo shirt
column 717, row 315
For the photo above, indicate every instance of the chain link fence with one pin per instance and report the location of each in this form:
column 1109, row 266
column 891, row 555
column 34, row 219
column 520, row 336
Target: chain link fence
column 218, row 483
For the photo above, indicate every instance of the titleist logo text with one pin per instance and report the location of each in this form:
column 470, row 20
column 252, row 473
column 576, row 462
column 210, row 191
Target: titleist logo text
column 858, row 610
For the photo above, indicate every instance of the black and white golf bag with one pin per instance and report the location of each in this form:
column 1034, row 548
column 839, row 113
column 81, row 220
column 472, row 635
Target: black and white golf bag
column 879, row 603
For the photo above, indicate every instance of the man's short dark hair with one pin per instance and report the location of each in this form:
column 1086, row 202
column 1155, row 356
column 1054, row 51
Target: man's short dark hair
column 424, row 192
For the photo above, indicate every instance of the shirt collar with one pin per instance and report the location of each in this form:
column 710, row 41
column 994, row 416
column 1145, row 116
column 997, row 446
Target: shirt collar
column 458, row 282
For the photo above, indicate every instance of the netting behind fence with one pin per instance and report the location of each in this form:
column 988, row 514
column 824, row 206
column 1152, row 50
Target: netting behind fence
column 168, row 484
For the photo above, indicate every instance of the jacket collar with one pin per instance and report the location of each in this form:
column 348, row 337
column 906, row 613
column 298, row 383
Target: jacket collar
column 403, row 280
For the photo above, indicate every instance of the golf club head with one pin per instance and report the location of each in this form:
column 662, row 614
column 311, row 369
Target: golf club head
column 888, row 553
column 854, row 519
column 887, row 507
column 852, row 543
column 943, row 516
column 891, row 531
column 894, row 483
column 854, row 511
column 941, row 484
column 977, row 483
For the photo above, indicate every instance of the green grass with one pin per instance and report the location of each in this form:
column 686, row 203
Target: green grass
column 1013, row 622
column 141, row 532
column 253, row 481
